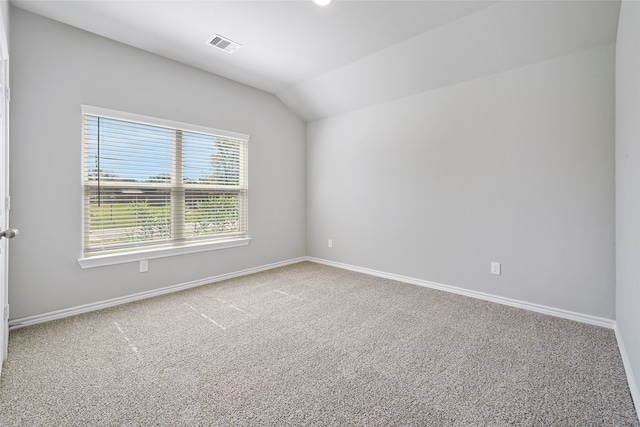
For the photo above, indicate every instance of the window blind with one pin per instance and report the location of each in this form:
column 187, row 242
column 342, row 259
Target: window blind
column 148, row 185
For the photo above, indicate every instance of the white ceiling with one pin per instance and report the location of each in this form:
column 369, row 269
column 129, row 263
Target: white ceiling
column 350, row 54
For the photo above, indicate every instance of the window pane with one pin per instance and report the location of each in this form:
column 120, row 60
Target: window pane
column 212, row 213
column 128, row 152
column 127, row 216
column 211, row 160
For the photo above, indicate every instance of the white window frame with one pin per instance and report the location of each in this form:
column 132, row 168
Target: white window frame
column 146, row 253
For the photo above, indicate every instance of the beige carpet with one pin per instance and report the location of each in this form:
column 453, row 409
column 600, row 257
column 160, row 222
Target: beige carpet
column 313, row 345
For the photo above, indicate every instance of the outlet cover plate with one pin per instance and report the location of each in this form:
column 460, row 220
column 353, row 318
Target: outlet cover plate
column 495, row 268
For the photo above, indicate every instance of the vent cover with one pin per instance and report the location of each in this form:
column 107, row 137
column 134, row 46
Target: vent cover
column 224, row 44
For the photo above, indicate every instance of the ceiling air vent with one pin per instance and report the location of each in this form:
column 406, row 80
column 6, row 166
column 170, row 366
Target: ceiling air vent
column 224, row 44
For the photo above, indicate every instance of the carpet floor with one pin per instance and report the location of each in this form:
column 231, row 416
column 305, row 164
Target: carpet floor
column 313, row 345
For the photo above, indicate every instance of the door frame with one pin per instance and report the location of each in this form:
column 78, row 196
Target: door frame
column 4, row 178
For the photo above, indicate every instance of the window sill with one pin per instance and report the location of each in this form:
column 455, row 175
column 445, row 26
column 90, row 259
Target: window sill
column 122, row 258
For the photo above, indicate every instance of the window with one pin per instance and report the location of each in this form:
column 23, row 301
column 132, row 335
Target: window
column 152, row 184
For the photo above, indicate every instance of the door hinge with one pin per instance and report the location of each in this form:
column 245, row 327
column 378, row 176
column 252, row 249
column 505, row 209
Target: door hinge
column 6, row 312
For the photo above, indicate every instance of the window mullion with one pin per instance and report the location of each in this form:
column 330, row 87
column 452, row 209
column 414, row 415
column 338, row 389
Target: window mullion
column 178, row 190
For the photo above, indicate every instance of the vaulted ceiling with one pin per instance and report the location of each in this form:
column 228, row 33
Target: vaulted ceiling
column 322, row 61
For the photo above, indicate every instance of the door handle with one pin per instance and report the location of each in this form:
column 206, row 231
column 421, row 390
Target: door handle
column 9, row 233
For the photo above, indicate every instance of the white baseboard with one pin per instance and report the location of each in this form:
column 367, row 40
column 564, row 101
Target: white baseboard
column 59, row 314
column 633, row 385
column 557, row 312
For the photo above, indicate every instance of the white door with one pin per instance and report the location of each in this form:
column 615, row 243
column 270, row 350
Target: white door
column 4, row 182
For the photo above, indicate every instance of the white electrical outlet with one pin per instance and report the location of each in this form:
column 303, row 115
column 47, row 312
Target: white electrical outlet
column 330, row 243
column 144, row 266
column 495, row 268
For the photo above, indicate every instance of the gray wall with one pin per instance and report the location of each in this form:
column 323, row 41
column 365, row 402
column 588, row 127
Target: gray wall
column 517, row 168
column 628, row 183
column 4, row 4
column 54, row 69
